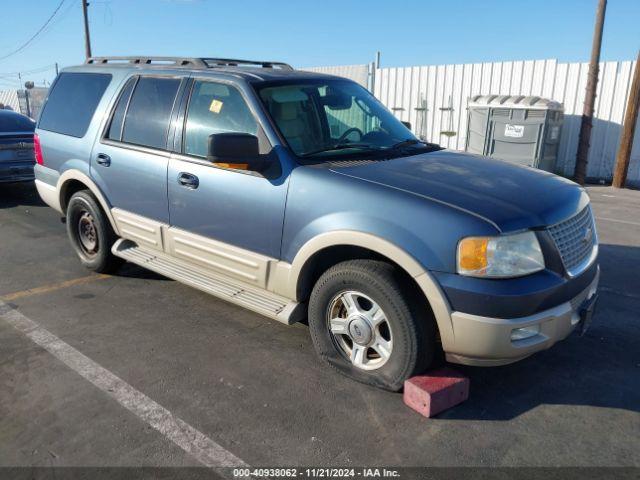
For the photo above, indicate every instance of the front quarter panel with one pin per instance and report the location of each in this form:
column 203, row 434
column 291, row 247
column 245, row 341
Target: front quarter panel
column 321, row 201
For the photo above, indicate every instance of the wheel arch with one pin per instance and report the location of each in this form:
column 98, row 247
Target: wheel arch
column 72, row 181
column 328, row 249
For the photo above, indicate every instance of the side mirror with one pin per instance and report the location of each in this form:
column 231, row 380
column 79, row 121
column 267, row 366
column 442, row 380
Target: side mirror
column 235, row 150
column 407, row 124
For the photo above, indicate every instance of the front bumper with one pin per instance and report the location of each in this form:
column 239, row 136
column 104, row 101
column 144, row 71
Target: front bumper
column 486, row 341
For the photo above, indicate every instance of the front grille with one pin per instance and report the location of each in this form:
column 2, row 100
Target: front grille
column 575, row 239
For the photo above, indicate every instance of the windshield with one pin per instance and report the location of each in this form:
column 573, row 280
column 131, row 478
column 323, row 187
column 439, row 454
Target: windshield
column 330, row 118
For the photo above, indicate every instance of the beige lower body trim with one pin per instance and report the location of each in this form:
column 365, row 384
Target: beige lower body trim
column 485, row 341
column 141, row 230
column 439, row 306
column 215, row 256
column 226, row 259
column 49, row 195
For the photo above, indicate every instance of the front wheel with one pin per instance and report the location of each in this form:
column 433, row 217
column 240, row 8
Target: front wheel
column 366, row 324
column 90, row 233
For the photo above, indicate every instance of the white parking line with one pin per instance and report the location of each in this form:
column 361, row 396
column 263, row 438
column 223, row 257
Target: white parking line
column 627, row 222
column 192, row 441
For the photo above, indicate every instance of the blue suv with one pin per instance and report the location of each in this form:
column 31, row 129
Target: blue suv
column 300, row 196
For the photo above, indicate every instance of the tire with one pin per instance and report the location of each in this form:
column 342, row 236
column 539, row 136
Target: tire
column 83, row 212
column 408, row 328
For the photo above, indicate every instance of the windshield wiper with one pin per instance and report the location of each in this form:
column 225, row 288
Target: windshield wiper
column 340, row 146
column 410, row 142
column 406, row 143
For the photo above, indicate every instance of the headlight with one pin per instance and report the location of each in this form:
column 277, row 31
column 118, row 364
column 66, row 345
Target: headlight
column 500, row 257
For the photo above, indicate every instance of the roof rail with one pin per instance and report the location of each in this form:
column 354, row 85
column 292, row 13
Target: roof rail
column 234, row 62
column 187, row 62
column 160, row 61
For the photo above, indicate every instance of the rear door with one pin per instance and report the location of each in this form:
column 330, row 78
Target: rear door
column 130, row 161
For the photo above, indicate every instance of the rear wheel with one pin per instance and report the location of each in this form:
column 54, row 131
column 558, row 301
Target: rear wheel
column 365, row 323
column 90, row 233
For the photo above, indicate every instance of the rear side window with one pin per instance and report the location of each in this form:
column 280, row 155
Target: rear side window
column 72, row 103
column 147, row 118
column 117, row 121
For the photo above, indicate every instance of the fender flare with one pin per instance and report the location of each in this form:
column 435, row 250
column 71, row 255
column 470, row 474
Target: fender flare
column 426, row 282
column 73, row 174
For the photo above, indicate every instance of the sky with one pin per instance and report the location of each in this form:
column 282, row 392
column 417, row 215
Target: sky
column 308, row 33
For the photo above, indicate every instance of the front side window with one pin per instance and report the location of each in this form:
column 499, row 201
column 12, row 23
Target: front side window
column 147, row 119
column 72, row 102
column 215, row 108
column 333, row 118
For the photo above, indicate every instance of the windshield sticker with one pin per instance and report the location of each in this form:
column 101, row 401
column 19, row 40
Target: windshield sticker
column 216, row 106
column 515, row 131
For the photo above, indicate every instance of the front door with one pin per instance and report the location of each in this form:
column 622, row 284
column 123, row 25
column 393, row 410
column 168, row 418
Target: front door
column 233, row 217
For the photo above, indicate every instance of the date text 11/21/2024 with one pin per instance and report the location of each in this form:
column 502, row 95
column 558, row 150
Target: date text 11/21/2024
column 323, row 472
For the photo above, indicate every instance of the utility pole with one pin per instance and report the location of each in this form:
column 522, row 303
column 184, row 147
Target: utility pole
column 28, row 86
column 628, row 130
column 580, row 173
column 56, row 69
column 87, row 38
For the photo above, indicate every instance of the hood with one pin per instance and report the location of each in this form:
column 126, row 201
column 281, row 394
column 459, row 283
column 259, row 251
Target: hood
column 511, row 197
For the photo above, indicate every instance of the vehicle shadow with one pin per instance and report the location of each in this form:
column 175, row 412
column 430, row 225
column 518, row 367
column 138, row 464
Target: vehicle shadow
column 19, row 195
column 600, row 369
column 131, row 270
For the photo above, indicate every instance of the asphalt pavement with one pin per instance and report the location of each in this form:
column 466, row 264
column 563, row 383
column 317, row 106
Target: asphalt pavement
column 254, row 388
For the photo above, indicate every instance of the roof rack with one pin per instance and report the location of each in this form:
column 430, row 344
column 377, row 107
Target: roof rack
column 186, row 62
column 234, row 62
column 160, row 61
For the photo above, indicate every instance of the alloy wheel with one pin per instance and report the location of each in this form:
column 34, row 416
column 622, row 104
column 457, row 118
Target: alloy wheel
column 359, row 327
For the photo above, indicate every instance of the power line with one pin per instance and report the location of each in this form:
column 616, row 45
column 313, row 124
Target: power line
column 33, row 37
column 59, row 17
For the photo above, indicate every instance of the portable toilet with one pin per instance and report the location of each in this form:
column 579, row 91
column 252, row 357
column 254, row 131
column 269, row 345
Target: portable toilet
column 517, row 129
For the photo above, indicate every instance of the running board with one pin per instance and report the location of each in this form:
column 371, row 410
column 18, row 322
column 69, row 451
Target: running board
column 256, row 299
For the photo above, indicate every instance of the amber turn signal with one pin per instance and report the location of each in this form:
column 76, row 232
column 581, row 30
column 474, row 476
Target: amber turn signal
column 472, row 253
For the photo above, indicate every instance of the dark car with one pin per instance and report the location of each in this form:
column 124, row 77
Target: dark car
column 16, row 147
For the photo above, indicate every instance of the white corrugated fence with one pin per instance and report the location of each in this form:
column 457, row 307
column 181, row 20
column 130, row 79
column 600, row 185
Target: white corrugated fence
column 358, row 73
column 434, row 99
column 9, row 98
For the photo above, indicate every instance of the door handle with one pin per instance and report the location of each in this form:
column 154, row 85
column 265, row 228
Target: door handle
column 188, row 180
column 103, row 159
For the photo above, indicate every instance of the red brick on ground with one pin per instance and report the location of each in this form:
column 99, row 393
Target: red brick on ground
column 436, row 391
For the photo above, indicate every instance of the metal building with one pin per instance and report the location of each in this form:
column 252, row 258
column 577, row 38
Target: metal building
column 518, row 129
